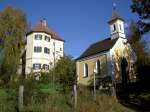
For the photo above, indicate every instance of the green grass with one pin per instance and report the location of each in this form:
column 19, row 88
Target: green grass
column 49, row 88
column 47, row 98
column 59, row 102
column 7, row 100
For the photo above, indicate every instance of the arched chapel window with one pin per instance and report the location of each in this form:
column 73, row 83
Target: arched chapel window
column 98, row 69
column 85, row 70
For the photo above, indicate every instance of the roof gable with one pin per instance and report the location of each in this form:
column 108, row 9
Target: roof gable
column 98, row 47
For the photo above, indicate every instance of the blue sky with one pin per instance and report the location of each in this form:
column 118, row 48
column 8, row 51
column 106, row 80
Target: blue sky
column 79, row 22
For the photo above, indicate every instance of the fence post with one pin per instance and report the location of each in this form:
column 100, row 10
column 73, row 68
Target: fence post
column 95, row 72
column 75, row 95
column 20, row 98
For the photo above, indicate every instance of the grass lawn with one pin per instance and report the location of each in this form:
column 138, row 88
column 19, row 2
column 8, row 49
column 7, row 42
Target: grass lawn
column 8, row 100
column 47, row 98
column 59, row 102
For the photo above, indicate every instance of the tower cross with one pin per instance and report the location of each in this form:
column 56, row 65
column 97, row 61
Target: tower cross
column 114, row 6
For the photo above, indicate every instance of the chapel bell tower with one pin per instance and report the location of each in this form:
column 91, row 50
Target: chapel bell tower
column 116, row 24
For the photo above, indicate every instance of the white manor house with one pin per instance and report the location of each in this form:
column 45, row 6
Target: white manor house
column 43, row 48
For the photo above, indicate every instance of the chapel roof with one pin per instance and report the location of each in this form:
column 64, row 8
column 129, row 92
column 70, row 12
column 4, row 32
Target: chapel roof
column 98, row 47
column 41, row 26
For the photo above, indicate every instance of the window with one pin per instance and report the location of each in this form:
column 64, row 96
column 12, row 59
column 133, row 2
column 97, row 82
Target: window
column 120, row 27
column 98, row 69
column 47, row 38
column 60, row 49
column 114, row 27
column 85, row 70
column 36, row 66
column 46, row 50
column 38, row 37
column 54, row 43
column 57, row 52
column 45, row 67
column 37, row 49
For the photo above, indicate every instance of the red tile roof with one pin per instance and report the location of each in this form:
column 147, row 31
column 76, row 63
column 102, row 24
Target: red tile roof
column 98, row 47
column 42, row 27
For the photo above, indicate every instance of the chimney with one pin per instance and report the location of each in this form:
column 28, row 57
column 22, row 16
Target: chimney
column 44, row 22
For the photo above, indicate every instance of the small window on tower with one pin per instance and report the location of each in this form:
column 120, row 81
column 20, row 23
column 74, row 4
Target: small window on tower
column 120, row 27
column 114, row 27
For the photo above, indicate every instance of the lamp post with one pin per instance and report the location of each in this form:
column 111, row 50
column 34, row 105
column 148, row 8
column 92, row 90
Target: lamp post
column 95, row 71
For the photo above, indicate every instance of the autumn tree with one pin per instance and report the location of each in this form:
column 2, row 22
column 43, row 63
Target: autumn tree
column 140, row 47
column 142, row 8
column 13, row 26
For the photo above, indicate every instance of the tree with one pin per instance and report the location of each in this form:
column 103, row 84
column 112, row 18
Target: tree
column 13, row 26
column 65, row 73
column 142, row 8
column 140, row 47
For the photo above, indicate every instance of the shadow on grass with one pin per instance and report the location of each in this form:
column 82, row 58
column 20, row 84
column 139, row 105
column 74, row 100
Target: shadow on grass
column 135, row 95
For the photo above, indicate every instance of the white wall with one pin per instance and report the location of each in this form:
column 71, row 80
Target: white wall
column 42, row 58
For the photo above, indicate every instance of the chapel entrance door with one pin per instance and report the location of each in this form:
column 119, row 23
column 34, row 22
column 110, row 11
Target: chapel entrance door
column 125, row 71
